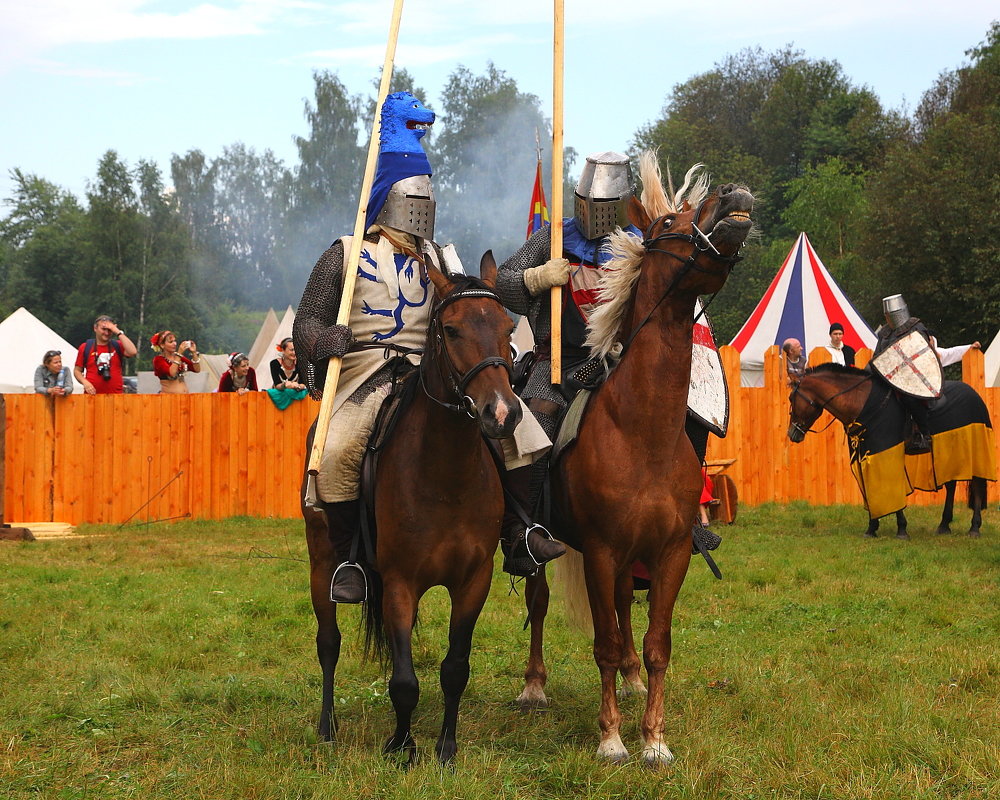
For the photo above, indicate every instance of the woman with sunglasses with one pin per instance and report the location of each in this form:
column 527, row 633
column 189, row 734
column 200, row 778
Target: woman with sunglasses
column 51, row 377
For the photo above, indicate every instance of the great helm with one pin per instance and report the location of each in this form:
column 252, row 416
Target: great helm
column 602, row 193
column 895, row 310
column 409, row 207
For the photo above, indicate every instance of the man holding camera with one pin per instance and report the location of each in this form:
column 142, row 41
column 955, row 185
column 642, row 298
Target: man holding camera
column 99, row 361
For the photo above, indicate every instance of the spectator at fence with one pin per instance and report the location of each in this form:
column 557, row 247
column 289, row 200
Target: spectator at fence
column 51, row 377
column 840, row 353
column 285, row 368
column 240, row 377
column 169, row 363
column 951, row 355
column 795, row 361
column 100, row 361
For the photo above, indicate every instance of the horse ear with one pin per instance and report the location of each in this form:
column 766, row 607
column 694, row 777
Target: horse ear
column 685, row 206
column 637, row 214
column 488, row 268
column 439, row 279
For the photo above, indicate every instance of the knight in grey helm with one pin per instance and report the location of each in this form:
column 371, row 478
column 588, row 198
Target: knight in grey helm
column 391, row 309
column 602, row 194
column 895, row 310
column 899, row 323
column 523, row 283
column 409, row 207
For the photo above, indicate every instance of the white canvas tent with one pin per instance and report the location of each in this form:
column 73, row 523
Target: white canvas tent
column 24, row 339
column 992, row 362
column 264, row 336
column 262, row 366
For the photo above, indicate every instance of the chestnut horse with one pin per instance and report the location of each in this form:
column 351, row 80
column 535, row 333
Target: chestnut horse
column 844, row 391
column 628, row 488
column 438, row 505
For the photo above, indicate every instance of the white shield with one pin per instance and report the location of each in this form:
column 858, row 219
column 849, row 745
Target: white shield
column 708, row 393
column 911, row 365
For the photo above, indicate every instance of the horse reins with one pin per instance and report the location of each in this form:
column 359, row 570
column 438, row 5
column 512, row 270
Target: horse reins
column 701, row 246
column 460, row 382
column 822, row 406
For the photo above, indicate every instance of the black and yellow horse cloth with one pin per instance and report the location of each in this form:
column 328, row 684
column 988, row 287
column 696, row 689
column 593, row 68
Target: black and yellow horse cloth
column 963, row 446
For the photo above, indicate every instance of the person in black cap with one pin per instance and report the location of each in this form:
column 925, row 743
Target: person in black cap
column 840, row 353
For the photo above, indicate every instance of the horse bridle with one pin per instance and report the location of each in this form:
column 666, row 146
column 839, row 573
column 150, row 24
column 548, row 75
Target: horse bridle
column 701, row 244
column 821, row 405
column 459, row 382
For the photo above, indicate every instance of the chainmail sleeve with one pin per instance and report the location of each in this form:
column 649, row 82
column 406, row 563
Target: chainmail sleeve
column 317, row 312
column 510, row 275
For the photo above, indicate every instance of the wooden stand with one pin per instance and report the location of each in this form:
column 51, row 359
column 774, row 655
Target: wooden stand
column 723, row 507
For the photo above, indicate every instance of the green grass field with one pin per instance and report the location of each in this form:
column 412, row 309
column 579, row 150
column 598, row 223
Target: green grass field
column 178, row 661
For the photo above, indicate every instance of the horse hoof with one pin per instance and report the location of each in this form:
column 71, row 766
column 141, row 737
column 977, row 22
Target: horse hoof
column 942, row 530
column 613, row 750
column 871, row 535
column 657, row 755
column 902, row 535
column 446, row 752
column 627, row 690
column 532, row 700
column 974, row 534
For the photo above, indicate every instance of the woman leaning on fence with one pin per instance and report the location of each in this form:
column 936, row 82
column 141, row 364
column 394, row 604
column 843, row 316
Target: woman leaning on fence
column 51, row 377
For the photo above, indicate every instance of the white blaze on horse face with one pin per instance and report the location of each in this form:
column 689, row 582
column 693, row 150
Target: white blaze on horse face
column 502, row 409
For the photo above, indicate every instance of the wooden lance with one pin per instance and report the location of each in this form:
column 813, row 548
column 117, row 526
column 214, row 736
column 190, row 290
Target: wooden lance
column 351, row 262
column 556, row 251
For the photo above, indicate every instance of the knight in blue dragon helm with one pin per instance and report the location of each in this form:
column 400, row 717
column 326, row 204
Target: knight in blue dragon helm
column 391, row 310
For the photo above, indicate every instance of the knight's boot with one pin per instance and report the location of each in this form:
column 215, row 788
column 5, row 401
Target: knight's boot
column 349, row 584
column 525, row 547
column 920, row 437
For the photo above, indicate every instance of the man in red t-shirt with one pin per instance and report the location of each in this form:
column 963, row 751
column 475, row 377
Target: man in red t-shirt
column 102, row 374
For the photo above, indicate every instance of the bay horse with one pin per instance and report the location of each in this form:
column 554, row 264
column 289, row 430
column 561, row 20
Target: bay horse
column 627, row 490
column 851, row 394
column 438, row 506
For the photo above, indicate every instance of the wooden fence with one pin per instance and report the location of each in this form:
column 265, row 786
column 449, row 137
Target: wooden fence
column 105, row 459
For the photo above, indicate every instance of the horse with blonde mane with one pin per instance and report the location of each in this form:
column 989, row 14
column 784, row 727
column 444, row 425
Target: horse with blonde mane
column 627, row 489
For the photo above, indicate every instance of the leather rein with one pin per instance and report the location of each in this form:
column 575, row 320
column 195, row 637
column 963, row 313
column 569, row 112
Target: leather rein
column 821, row 405
column 701, row 245
column 460, row 382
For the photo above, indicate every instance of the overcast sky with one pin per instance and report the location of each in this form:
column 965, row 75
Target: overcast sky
column 152, row 78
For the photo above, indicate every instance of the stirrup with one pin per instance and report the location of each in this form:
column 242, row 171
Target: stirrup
column 544, row 532
column 350, row 565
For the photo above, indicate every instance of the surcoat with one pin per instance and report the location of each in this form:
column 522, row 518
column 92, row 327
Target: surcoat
column 392, row 304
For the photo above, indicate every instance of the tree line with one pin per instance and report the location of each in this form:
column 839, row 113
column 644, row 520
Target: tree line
column 893, row 203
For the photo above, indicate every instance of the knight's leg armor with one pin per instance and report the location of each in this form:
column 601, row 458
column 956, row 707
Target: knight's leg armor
column 526, row 546
column 349, row 585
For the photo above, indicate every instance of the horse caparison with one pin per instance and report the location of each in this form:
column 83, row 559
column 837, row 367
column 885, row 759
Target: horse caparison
column 436, row 451
column 628, row 488
column 843, row 392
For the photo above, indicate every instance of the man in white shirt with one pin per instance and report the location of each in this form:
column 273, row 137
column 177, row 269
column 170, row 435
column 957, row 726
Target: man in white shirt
column 840, row 353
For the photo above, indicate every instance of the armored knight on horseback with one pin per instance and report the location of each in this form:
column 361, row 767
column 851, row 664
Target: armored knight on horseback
column 391, row 310
column 906, row 359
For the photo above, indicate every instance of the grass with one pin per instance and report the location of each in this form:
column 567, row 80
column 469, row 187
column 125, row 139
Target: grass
column 178, row 662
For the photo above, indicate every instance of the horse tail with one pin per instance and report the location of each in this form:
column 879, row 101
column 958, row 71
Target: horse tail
column 570, row 582
column 376, row 643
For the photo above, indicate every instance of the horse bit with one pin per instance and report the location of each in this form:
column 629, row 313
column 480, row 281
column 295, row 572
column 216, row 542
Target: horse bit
column 459, row 382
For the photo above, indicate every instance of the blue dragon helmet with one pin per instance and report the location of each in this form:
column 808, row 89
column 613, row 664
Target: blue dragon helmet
column 401, row 194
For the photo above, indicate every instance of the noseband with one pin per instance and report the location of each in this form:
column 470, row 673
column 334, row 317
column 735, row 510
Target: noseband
column 458, row 381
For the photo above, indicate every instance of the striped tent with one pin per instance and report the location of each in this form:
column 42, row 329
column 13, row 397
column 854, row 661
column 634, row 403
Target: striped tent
column 801, row 303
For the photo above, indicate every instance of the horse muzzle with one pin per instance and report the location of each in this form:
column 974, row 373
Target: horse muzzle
column 499, row 416
column 796, row 432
